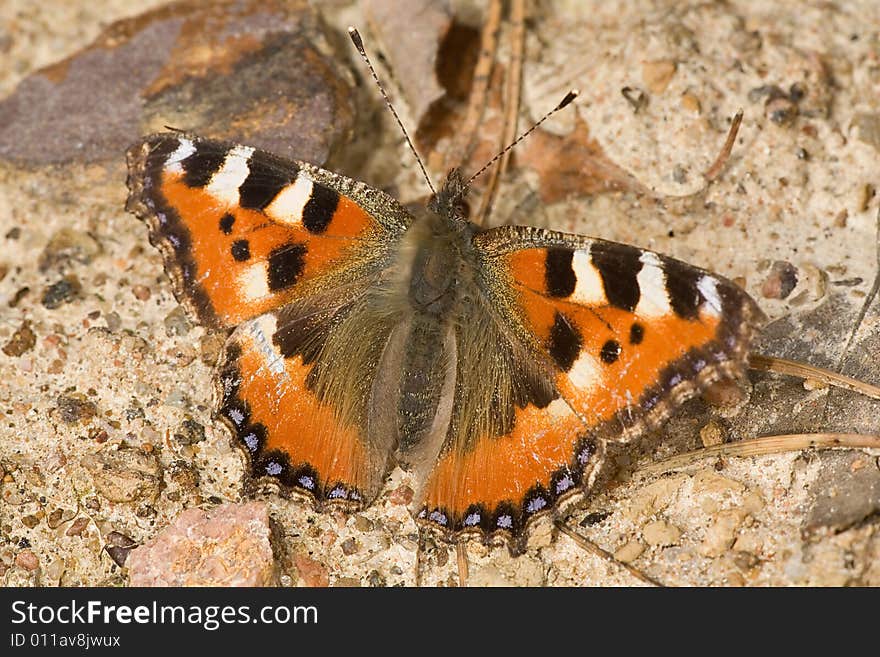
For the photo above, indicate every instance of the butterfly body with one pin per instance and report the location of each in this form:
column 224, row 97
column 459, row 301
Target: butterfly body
column 494, row 364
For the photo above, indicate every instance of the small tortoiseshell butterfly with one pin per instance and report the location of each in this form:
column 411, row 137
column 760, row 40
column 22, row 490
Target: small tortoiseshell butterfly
column 495, row 364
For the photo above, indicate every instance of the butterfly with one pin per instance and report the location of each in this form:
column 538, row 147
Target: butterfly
column 494, row 364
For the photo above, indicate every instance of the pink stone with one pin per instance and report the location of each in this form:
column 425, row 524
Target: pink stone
column 227, row 546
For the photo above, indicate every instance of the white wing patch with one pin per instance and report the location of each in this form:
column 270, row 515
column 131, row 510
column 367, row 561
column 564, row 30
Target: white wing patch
column 589, row 288
column 708, row 288
column 185, row 148
column 653, row 297
column 287, row 207
column 586, row 373
column 253, row 282
column 226, row 181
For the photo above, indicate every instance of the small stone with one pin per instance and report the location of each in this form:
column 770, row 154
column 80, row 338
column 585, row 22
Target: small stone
column 712, row 434
column 22, row 341
column 177, row 399
column 868, row 127
column 725, row 394
column 13, row 233
column 781, row 280
column 363, row 524
column 20, row 294
column 226, row 546
column 661, row 534
column 125, row 474
column 679, row 174
column 376, row 579
column 61, row 292
column 210, row 346
column 75, row 408
column 113, row 321
column 347, row 582
column 629, row 552
column 313, row 573
column 55, row 518
column 782, row 110
column 842, row 496
column 177, row 323
column 68, row 245
column 185, row 476
column 708, row 482
column 866, row 193
column 189, row 432
column 30, row 521
column 118, row 547
column 28, row 560
column 55, row 570
column 402, row 495
column 141, row 292
column 349, row 546
column 721, row 533
column 657, row 74
column 77, row 526
column 691, row 103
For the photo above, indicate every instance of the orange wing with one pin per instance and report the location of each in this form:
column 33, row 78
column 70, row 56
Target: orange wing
column 624, row 335
column 243, row 231
column 287, row 252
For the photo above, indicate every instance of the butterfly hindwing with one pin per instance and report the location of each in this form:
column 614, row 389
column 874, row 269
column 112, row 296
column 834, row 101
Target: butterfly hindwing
column 297, row 386
column 244, row 231
column 513, row 448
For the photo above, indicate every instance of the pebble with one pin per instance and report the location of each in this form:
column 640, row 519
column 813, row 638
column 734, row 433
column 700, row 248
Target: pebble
column 63, row 291
column 22, row 341
column 75, row 408
column 30, row 521
column 119, row 546
column 125, row 474
column 68, row 245
column 55, row 518
column 629, row 552
column 721, row 533
column 708, row 482
column 28, row 560
column 349, row 546
column 377, row 579
column 177, row 323
column 347, row 582
column 402, row 495
column 781, row 280
column 657, row 74
column 712, row 434
column 363, row 524
column 189, row 432
column 691, row 103
column 868, row 128
column 210, row 345
column 226, row 546
column 661, row 533
column 77, row 526
column 312, row 573
column 141, row 292
column 113, row 321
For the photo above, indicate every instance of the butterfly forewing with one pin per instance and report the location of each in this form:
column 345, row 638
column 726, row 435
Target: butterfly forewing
column 244, row 231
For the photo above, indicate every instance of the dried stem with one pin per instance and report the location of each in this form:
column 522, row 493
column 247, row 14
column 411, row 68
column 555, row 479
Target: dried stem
column 806, row 371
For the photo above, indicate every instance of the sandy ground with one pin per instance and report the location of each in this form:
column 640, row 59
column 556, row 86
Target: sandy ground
column 119, row 364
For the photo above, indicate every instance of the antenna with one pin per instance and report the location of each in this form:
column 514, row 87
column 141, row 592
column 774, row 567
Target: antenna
column 359, row 44
column 570, row 96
